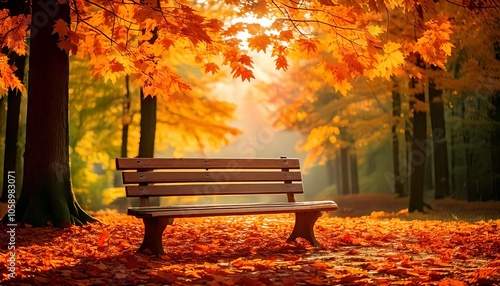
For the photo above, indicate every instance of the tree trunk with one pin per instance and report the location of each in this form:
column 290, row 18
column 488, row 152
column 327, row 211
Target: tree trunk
column 148, row 115
column 495, row 147
column 354, row 173
column 47, row 197
column 440, row 145
column 418, row 151
column 13, row 111
column 148, row 126
column 396, row 115
column 126, row 119
column 331, row 170
column 471, row 186
column 344, row 170
column 12, row 127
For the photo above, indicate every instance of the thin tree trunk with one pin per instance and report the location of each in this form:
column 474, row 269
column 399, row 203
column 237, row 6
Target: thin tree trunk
column 126, row 118
column 344, row 169
column 148, row 126
column 47, row 197
column 338, row 172
column 12, row 127
column 331, row 170
column 440, row 145
column 13, row 110
column 471, row 187
column 396, row 115
column 495, row 147
column 354, row 173
column 148, row 115
column 418, row 155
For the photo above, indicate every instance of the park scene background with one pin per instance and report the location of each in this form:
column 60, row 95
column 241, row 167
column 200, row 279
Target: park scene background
column 392, row 107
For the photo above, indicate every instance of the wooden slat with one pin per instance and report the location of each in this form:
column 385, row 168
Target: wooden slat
column 212, row 189
column 229, row 176
column 205, row 163
column 232, row 209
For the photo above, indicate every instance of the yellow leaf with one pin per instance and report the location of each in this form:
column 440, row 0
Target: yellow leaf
column 390, row 60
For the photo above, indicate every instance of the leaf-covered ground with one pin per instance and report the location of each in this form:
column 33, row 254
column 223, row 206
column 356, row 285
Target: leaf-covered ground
column 251, row 250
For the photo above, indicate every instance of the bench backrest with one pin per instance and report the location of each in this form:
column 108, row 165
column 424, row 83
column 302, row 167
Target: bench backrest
column 204, row 176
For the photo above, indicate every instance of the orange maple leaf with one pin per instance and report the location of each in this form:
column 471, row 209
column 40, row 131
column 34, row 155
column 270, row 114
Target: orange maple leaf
column 61, row 28
column 259, row 43
column 286, row 35
column 246, row 60
column 246, row 74
column 211, row 67
column 281, row 63
column 66, row 46
column 308, row 45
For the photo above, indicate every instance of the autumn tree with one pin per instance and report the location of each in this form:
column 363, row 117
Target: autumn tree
column 15, row 8
column 345, row 37
column 425, row 37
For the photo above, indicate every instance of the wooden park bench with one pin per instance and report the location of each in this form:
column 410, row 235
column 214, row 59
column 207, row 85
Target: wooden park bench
column 151, row 177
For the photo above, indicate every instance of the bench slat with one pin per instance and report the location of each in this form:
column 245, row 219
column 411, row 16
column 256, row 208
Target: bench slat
column 233, row 176
column 212, row 189
column 232, row 209
column 205, row 163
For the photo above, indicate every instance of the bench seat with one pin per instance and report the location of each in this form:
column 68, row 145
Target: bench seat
column 180, row 211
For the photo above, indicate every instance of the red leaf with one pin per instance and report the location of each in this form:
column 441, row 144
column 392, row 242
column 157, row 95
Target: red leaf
column 102, row 238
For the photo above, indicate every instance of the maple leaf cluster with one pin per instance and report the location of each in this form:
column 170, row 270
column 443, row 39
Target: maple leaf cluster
column 146, row 40
column 13, row 32
column 251, row 250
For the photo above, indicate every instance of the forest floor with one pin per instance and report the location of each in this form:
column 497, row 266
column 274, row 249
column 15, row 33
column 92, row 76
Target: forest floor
column 389, row 205
column 370, row 240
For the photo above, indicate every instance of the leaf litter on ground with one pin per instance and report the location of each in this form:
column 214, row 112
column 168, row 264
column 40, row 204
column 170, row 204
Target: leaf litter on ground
column 251, row 250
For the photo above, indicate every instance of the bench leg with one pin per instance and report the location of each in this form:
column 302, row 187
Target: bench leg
column 304, row 227
column 153, row 231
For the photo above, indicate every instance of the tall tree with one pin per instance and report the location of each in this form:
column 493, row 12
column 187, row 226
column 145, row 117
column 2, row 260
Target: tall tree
column 148, row 125
column 353, row 172
column 126, row 119
column 46, row 195
column 12, row 125
column 439, row 142
column 396, row 162
column 114, row 36
column 344, row 170
column 418, row 152
column 15, row 8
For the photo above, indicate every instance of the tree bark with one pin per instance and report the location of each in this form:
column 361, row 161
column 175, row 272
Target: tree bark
column 47, row 197
column 495, row 136
column 418, row 154
column 12, row 125
column 13, row 105
column 396, row 114
column 148, row 115
column 148, row 126
column 440, row 145
column 354, row 173
column 495, row 147
column 125, row 119
column 344, row 171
